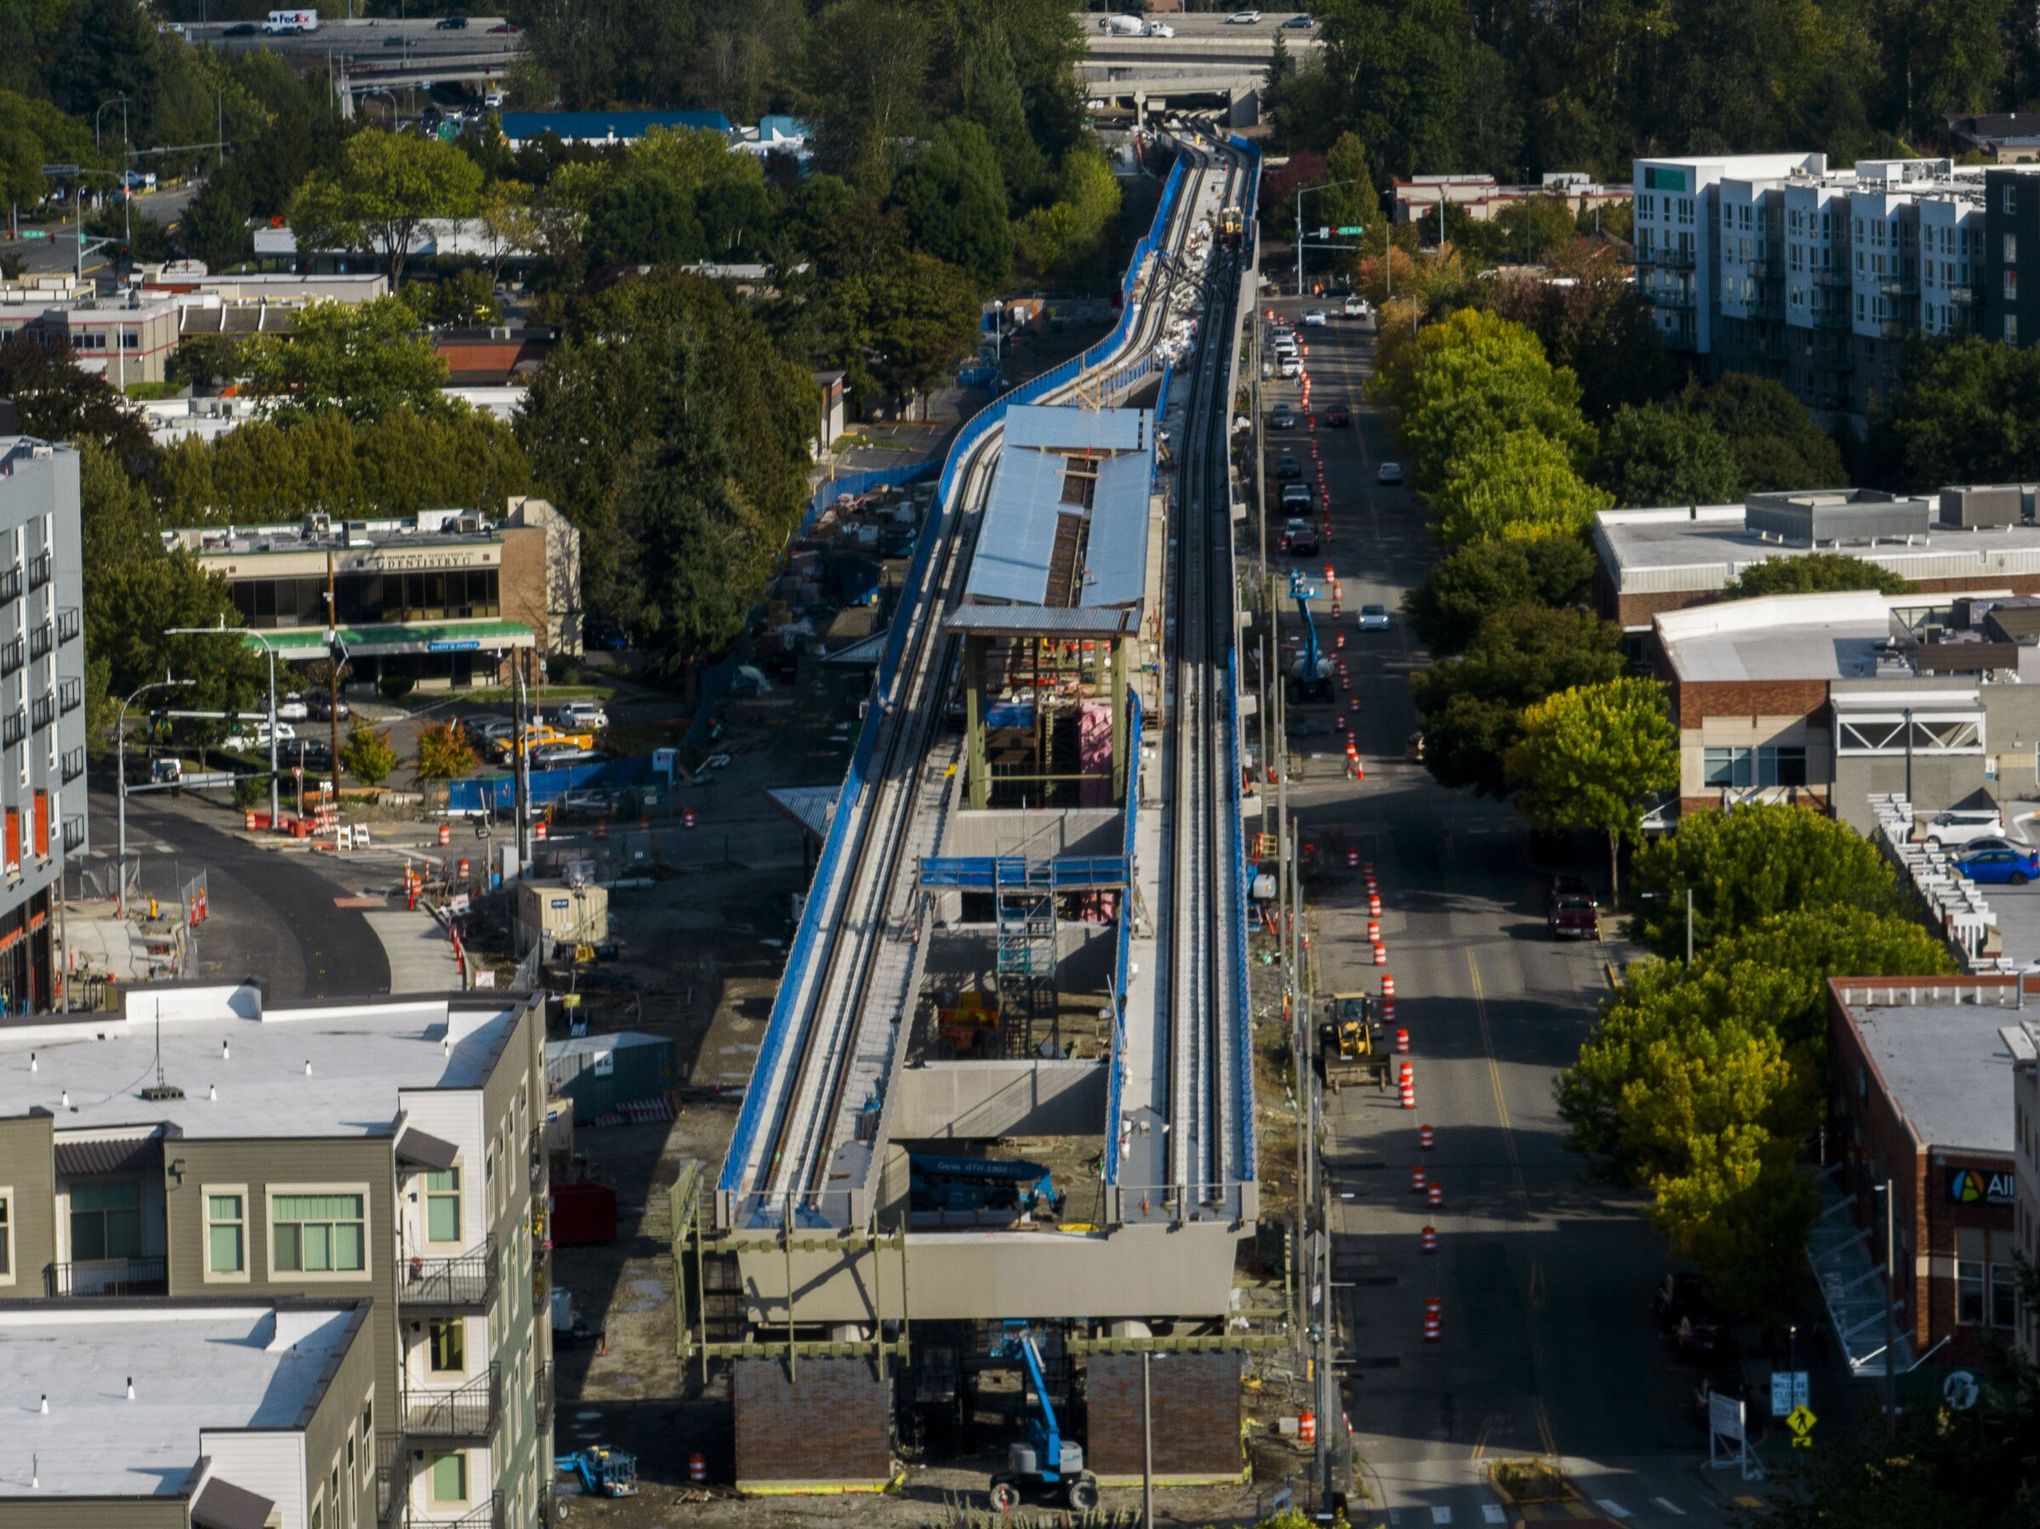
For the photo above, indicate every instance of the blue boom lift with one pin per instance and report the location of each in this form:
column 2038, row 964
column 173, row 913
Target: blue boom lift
column 601, row 1472
column 974, row 1184
column 1044, row 1460
column 1311, row 680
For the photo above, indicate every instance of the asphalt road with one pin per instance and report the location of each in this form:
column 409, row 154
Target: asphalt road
column 1548, row 1345
column 58, row 251
column 277, row 915
column 365, row 39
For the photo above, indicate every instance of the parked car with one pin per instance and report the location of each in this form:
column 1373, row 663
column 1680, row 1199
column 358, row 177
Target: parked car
column 1288, row 467
column 606, row 636
column 1300, row 537
column 484, row 727
column 323, row 708
column 1995, row 841
column 1388, row 472
column 253, row 737
column 1573, row 918
column 560, row 756
column 583, row 716
column 2000, row 867
column 1958, row 825
column 1337, row 417
column 1282, row 418
column 1316, row 319
column 1373, row 618
column 292, row 708
column 1288, row 366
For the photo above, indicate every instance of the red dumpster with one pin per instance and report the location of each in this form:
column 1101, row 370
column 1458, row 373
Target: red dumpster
column 583, row 1213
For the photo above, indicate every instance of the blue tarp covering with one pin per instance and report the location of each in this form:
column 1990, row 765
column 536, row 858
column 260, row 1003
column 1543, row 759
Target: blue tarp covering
column 500, row 791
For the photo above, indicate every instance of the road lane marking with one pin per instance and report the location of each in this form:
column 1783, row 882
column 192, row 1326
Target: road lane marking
column 1544, row 1429
column 1612, row 1509
column 1487, row 1046
column 1491, row 1513
column 1441, row 1515
column 1480, row 1439
column 1670, row 1507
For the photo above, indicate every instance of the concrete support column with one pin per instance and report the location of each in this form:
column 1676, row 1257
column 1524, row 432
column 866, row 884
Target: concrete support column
column 978, row 784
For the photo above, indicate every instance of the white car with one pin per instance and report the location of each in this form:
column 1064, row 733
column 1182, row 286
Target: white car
column 1359, row 308
column 1289, row 366
column 1315, row 319
column 1388, row 472
column 1373, row 618
column 1959, row 825
column 1243, row 19
column 1158, row 29
column 256, row 739
column 583, row 717
column 292, row 708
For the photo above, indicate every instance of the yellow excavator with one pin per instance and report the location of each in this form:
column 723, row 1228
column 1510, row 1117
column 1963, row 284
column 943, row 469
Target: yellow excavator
column 1348, row 1043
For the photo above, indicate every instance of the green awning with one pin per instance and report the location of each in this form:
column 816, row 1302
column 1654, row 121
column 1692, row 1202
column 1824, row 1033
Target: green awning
column 381, row 641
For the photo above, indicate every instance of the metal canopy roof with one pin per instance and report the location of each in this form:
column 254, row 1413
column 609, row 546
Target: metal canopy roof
column 1028, row 536
column 1040, row 621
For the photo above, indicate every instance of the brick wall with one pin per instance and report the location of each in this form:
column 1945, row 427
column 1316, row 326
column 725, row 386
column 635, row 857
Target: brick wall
column 1195, row 1417
column 1696, row 699
column 829, row 1424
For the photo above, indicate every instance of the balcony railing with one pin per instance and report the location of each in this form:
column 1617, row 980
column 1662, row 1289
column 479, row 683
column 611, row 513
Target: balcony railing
column 1966, row 296
column 74, row 764
column 14, row 727
column 70, row 694
column 104, row 1276
column 544, row 1392
column 39, row 570
column 13, row 655
column 468, row 1412
column 68, row 624
column 44, row 709
column 74, row 838
column 1831, row 277
column 488, row 1515
column 10, row 583
column 465, row 1279
column 1895, row 329
column 1670, row 258
column 1897, row 284
column 40, row 640
column 392, row 1478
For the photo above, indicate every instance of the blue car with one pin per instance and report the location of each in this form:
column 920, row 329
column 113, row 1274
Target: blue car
column 1996, row 867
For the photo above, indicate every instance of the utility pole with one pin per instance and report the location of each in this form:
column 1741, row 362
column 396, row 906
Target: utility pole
column 1890, row 1299
column 520, row 757
column 333, row 675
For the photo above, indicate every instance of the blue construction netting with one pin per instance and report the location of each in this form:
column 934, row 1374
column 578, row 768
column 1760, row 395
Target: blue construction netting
column 779, row 1030
column 1116, row 1079
column 500, row 791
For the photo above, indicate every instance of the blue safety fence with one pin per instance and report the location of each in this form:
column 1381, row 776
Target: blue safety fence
column 1243, row 1039
column 1115, row 1086
column 991, row 873
column 857, row 483
column 499, row 792
column 780, row 1030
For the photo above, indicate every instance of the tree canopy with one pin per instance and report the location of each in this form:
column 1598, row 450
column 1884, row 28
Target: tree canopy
column 1593, row 757
column 1812, row 573
column 1962, row 413
column 1775, row 440
column 364, row 360
column 954, row 198
column 1519, row 483
column 386, row 184
column 1746, row 865
column 1470, row 581
column 1652, row 454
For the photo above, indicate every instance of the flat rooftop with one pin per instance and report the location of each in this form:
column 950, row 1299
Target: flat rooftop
column 433, row 528
column 1945, row 1067
column 1682, row 548
column 89, row 1070
column 194, row 1367
column 1778, row 637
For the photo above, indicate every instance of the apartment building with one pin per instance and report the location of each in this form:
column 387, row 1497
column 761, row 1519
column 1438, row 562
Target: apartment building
column 42, row 711
column 1778, row 266
column 203, row 1144
column 216, row 1413
column 2023, row 1041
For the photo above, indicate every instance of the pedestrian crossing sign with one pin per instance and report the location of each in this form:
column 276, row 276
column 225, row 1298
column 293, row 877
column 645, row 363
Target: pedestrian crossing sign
column 1801, row 1420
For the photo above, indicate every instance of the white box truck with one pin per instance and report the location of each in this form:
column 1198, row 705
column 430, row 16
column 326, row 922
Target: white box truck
column 280, row 22
column 1121, row 26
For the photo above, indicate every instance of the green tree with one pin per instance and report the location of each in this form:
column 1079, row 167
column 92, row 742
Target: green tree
column 443, row 752
column 1072, row 231
column 1653, row 455
column 866, row 76
column 56, row 399
column 206, row 360
column 1472, row 704
column 367, row 755
column 955, row 202
column 385, row 186
column 460, row 297
column 1593, row 756
column 1592, row 323
column 1475, row 375
column 1775, row 440
column 363, row 361
column 1745, row 865
column 1471, row 581
column 34, row 133
column 1810, row 574
column 1535, row 227
column 1962, row 413
column 1518, row 483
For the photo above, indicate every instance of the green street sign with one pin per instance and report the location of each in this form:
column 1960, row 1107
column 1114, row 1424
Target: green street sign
column 35, row 233
column 1349, row 233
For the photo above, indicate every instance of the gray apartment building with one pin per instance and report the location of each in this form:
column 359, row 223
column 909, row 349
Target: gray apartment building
column 1778, row 266
column 42, row 710
column 219, row 1413
column 204, row 1145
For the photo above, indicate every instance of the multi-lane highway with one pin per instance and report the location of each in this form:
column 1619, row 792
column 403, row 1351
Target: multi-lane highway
column 1544, row 1277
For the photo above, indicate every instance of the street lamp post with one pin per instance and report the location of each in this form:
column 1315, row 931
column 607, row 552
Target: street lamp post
column 223, row 630
column 120, row 764
column 1300, row 190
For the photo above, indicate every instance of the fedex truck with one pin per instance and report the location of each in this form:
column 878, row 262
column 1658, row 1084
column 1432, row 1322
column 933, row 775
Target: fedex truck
column 280, row 22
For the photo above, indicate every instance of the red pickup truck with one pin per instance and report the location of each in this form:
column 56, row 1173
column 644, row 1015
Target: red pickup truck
column 1569, row 910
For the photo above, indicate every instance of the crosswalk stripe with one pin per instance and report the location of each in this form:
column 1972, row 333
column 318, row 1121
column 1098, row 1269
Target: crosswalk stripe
column 1441, row 1515
column 1670, row 1507
column 1612, row 1509
column 1491, row 1512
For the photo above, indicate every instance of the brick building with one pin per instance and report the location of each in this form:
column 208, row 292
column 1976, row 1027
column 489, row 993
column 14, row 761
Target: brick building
column 1965, row 539
column 1922, row 1084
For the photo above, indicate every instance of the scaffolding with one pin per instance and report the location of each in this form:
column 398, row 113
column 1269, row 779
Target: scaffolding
column 1024, row 896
